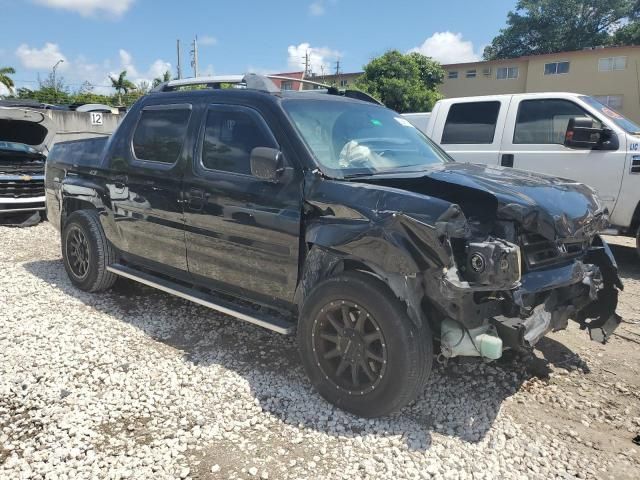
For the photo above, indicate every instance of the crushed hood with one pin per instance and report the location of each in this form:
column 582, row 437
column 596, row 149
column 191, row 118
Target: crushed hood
column 552, row 207
column 26, row 126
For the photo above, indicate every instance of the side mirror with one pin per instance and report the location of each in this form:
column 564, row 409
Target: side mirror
column 582, row 134
column 267, row 163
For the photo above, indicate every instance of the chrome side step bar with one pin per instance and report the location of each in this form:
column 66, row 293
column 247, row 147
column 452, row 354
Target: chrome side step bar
column 269, row 322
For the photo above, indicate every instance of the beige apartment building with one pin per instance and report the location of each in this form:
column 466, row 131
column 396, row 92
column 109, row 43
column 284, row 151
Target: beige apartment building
column 609, row 74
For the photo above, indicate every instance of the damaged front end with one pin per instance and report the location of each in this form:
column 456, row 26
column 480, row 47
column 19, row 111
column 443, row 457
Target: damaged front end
column 486, row 293
column 491, row 259
column 523, row 270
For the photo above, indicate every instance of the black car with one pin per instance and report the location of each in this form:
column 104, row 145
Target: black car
column 326, row 213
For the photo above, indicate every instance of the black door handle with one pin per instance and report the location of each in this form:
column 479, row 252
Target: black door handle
column 507, row 160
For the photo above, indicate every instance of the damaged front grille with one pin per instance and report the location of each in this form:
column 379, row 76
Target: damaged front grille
column 15, row 187
column 538, row 252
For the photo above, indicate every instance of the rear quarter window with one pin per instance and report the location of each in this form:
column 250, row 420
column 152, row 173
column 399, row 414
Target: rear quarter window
column 471, row 123
column 160, row 133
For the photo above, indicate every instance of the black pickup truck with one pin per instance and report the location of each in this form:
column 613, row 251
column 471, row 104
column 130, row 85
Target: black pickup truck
column 324, row 213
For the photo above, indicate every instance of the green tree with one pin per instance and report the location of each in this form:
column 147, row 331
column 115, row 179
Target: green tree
column 629, row 34
column 549, row 26
column 5, row 79
column 166, row 76
column 405, row 83
column 122, row 84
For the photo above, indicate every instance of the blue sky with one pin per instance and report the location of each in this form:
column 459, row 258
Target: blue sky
column 100, row 37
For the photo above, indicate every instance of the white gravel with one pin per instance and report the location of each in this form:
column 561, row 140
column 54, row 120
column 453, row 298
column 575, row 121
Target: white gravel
column 137, row 384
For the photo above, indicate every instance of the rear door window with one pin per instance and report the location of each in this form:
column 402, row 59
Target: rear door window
column 545, row 121
column 231, row 133
column 471, row 123
column 161, row 132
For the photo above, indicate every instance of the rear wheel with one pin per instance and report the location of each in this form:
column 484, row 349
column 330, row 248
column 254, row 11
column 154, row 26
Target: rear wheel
column 360, row 349
column 86, row 252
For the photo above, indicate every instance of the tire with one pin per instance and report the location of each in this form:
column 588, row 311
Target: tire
column 87, row 253
column 397, row 351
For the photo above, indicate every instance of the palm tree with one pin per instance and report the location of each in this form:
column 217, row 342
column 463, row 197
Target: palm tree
column 5, row 79
column 166, row 76
column 121, row 83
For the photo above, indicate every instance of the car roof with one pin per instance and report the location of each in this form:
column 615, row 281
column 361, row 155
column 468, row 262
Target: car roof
column 509, row 96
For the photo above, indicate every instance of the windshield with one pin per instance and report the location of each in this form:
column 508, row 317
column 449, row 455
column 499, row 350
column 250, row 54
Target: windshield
column 350, row 139
column 617, row 118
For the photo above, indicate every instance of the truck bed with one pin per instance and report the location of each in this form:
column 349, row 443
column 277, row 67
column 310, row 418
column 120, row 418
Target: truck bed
column 82, row 153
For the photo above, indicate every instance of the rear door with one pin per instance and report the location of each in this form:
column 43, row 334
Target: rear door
column 243, row 232
column 145, row 188
column 471, row 131
column 534, row 137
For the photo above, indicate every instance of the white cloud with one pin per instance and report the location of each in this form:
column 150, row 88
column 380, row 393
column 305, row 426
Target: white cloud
column 90, row 7
column 207, row 40
column 319, row 58
column 448, row 47
column 41, row 59
column 80, row 69
column 126, row 62
column 156, row 69
column 317, row 8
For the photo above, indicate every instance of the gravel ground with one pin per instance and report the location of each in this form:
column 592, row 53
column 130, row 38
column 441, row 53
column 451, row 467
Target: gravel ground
column 137, row 384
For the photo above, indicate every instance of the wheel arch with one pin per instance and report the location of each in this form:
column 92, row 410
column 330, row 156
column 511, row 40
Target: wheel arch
column 322, row 263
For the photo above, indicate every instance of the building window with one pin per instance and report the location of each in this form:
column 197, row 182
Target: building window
column 504, row 73
column 286, row 85
column 486, row 72
column 556, row 68
column 611, row 64
column 453, row 75
column 545, row 121
column 613, row 101
column 344, row 83
column 471, row 73
column 471, row 123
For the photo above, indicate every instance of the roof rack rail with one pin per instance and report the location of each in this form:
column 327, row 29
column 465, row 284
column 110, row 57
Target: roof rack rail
column 249, row 80
column 262, row 83
column 300, row 80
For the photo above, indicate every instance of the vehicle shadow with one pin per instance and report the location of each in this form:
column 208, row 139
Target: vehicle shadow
column 462, row 399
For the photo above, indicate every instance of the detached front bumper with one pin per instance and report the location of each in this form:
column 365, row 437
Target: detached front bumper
column 584, row 290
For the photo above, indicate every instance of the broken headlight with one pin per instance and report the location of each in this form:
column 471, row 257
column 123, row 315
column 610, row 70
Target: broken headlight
column 492, row 262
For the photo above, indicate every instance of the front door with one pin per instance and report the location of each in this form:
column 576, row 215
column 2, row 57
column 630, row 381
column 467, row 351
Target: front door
column 146, row 191
column 537, row 144
column 242, row 232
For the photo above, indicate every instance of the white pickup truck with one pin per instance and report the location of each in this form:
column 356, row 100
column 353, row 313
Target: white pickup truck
column 566, row 135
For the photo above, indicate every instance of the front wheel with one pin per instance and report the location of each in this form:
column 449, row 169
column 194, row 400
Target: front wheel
column 86, row 252
column 360, row 349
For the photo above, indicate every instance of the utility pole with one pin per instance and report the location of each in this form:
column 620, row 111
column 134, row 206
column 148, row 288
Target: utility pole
column 194, row 56
column 55, row 83
column 337, row 73
column 179, row 63
column 307, row 65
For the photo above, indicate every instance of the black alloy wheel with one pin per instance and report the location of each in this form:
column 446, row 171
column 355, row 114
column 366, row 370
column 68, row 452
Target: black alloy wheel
column 349, row 347
column 86, row 252
column 78, row 252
